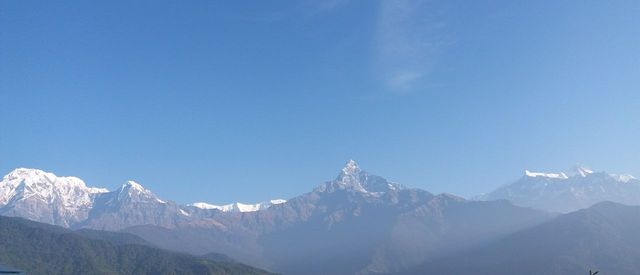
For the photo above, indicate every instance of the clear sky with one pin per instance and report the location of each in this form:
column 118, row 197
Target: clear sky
column 224, row 101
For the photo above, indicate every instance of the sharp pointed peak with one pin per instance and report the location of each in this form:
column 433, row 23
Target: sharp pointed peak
column 133, row 189
column 351, row 167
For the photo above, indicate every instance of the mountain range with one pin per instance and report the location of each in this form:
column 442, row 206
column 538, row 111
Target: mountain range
column 568, row 191
column 69, row 202
column 357, row 223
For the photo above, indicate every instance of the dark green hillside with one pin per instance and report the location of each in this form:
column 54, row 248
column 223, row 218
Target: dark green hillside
column 44, row 249
column 117, row 238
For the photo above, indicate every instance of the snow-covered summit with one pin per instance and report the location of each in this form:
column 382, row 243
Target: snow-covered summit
column 32, row 176
column 45, row 197
column 133, row 185
column 352, row 178
column 351, row 168
column 136, row 192
column 33, row 183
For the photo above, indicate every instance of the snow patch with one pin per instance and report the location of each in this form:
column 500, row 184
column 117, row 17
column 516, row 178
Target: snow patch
column 133, row 185
column 623, row 178
column 237, row 206
column 582, row 171
column 545, row 175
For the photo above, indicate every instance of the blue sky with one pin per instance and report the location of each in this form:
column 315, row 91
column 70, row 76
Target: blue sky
column 224, row 101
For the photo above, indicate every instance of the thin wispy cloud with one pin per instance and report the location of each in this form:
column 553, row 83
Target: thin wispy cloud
column 409, row 38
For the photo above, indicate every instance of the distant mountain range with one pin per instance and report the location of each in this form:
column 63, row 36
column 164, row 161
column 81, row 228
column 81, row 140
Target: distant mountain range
column 568, row 191
column 358, row 223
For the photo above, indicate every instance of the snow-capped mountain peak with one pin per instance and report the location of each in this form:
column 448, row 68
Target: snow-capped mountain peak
column 25, row 173
column 34, row 176
column 137, row 192
column 27, row 183
column 29, row 193
column 352, row 178
column 132, row 185
column 351, row 168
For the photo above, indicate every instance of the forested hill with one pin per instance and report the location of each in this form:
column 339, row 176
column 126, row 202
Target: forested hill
column 45, row 249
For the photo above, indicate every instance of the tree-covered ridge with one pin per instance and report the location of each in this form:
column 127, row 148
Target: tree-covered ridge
column 43, row 249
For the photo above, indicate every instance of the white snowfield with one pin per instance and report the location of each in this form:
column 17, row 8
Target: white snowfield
column 545, row 175
column 578, row 171
column 237, row 206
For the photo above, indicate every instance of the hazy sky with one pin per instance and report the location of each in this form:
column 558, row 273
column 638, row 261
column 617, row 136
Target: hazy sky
column 223, row 101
